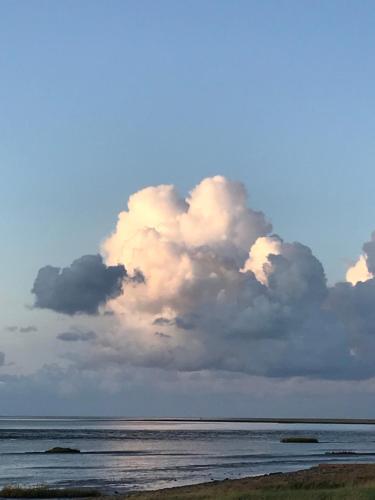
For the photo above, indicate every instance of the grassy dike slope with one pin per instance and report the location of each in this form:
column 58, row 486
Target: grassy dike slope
column 324, row 482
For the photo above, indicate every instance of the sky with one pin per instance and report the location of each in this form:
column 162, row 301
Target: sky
column 251, row 105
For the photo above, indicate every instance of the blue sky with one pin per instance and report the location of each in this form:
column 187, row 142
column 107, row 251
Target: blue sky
column 101, row 98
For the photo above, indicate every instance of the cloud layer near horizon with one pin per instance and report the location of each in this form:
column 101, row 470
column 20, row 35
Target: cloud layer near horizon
column 220, row 292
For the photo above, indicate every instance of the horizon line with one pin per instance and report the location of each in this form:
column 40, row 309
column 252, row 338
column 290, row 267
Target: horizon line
column 270, row 420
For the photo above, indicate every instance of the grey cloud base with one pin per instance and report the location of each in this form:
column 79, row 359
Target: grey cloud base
column 296, row 326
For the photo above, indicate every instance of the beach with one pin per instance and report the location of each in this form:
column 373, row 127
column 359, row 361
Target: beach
column 352, row 481
column 326, row 481
column 323, row 482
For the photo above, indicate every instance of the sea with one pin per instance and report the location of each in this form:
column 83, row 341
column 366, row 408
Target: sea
column 120, row 455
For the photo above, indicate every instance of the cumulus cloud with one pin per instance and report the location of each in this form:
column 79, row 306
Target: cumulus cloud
column 258, row 261
column 76, row 335
column 358, row 272
column 214, row 289
column 364, row 269
column 81, row 288
column 224, row 291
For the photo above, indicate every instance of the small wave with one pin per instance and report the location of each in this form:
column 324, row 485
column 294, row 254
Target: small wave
column 109, row 452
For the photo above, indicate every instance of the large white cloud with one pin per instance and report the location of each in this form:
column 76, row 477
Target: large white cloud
column 220, row 291
column 213, row 289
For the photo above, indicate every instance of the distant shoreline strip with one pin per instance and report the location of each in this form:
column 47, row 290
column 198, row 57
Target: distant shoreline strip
column 350, row 421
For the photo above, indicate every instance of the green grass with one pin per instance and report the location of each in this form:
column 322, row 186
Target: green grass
column 45, row 492
column 358, row 493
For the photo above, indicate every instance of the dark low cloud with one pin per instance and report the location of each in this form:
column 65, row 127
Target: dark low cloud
column 162, row 335
column 81, row 288
column 21, row 329
column 76, row 335
column 179, row 321
column 11, row 328
column 28, row 329
column 2, row 359
column 162, row 321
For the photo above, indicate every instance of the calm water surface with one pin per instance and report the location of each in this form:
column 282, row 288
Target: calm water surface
column 118, row 454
